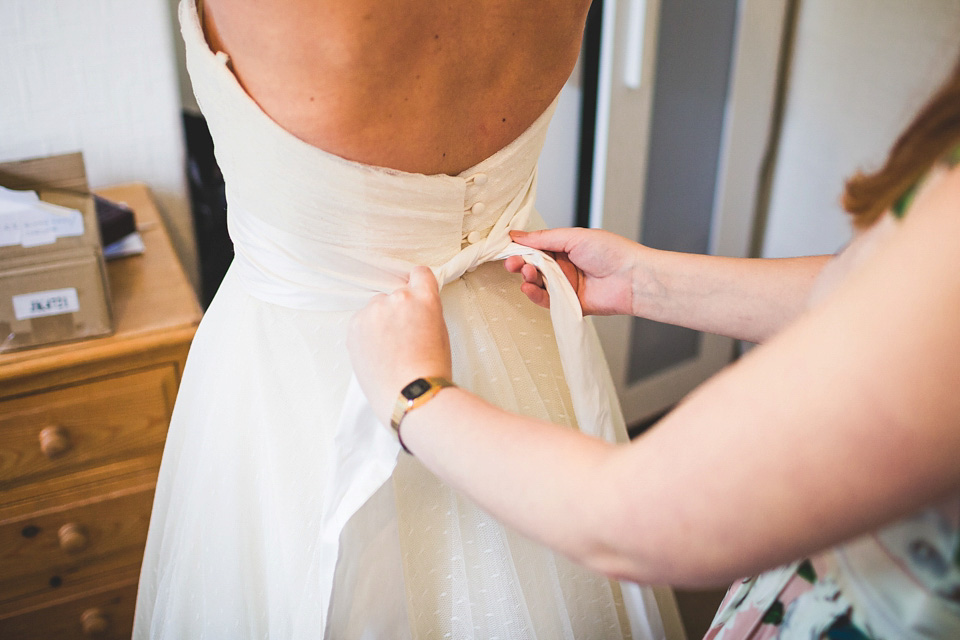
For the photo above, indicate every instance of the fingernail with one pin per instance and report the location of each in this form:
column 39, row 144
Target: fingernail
column 515, row 233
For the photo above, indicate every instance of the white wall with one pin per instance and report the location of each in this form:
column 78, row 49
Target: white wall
column 98, row 76
column 557, row 177
column 861, row 69
column 187, row 100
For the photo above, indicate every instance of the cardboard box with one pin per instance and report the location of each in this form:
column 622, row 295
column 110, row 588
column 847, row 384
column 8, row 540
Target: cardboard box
column 56, row 291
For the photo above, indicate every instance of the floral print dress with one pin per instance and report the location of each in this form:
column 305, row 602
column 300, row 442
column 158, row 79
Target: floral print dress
column 900, row 583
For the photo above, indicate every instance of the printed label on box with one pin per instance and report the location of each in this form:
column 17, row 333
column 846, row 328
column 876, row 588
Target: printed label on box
column 45, row 303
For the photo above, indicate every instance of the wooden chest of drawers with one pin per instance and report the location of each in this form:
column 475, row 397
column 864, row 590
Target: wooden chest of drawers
column 82, row 428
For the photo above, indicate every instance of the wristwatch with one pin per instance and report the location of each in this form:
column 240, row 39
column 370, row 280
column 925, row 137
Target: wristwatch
column 416, row 394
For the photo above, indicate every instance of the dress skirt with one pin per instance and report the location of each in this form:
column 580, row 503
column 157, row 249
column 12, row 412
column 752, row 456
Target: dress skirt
column 282, row 510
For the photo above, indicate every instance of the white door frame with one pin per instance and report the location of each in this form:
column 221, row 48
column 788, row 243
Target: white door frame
column 624, row 105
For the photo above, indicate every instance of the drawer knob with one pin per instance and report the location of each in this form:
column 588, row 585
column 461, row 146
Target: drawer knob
column 54, row 441
column 73, row 538
column 94, row 622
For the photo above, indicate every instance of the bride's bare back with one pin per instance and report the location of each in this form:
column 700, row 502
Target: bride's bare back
column 429, row 86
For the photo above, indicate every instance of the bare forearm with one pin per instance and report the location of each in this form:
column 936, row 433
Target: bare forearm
column 744, row 298
column 637, row 512
column 548, row 482
column 725, row 486
column 631, row 512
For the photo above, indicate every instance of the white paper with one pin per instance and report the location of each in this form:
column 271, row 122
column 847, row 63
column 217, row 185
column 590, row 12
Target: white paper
column 27, row 221
column 11, row 198
column 65, row 222
column 9, row 230
column 129, row 245
column 35, row 230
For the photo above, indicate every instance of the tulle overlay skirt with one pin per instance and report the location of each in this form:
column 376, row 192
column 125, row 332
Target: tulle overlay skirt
column 238, row 504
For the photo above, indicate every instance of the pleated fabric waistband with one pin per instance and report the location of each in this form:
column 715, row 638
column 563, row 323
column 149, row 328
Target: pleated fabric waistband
column 318, row 274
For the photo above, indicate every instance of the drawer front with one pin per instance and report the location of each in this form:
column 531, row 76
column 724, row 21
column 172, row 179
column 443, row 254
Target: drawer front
column 63, row 430
column 106, row 616
column 58, row 551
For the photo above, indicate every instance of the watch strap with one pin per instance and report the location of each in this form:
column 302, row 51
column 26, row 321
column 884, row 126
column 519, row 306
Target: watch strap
column 416, row 394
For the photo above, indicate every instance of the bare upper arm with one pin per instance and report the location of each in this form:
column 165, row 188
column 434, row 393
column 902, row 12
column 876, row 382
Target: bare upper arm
column 847, row 420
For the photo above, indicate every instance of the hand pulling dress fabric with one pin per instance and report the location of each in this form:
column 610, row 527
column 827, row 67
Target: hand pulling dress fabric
column 283, row 509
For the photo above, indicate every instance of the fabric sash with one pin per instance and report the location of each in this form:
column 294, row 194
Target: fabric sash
column 276, row 267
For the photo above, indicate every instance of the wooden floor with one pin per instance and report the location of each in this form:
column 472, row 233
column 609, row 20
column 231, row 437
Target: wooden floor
column 697, row 609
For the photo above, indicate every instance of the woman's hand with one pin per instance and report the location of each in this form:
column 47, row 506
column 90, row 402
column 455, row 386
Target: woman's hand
column 599, row 265
column 398, row 338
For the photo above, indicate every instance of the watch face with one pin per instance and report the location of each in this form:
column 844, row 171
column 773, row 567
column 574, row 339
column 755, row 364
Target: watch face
column 415, row 389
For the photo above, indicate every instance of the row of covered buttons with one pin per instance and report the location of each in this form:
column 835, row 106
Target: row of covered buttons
column 476, row 180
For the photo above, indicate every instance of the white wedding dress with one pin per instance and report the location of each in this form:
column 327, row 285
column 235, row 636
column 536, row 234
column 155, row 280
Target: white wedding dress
column 282, row 509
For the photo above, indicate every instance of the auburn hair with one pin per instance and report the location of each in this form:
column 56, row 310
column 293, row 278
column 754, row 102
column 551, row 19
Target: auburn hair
column 934, row 131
